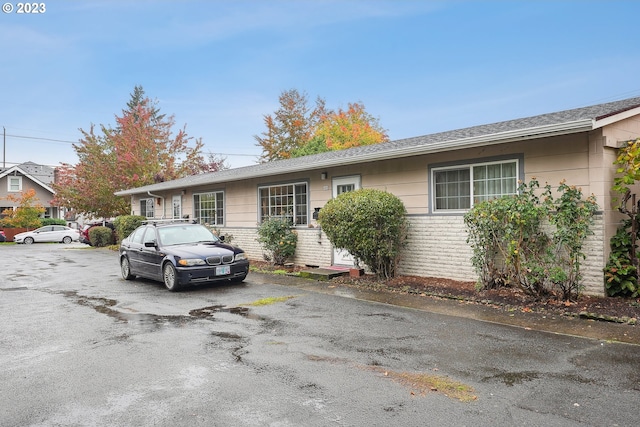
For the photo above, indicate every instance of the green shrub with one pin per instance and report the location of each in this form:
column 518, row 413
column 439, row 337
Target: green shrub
column 621, row 277
column 509, row 247
column 371, row 224
column 278, row 239
column 125, row 224
column 512, row 248
column 53, row 221
column 101, row 236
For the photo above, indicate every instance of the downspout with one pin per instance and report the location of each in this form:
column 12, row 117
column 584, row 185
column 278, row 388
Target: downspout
column 159, row 197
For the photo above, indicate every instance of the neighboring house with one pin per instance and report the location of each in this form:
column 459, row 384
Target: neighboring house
column 26, row 176
column 438, row 177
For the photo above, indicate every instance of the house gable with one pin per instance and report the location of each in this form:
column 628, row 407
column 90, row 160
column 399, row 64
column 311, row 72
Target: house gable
column 27, row 180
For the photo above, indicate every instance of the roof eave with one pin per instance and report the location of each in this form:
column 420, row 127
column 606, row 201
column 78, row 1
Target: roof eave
column 28, row 175
column 545, row 131
column 478, row 141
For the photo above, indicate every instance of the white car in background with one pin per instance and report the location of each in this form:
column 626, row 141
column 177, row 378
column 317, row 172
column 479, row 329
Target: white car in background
column 48, row 233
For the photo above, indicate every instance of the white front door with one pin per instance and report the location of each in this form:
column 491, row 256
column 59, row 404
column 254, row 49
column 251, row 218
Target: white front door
column 176, row 207
column 342, row 185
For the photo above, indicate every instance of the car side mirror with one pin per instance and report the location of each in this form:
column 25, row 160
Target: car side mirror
column 151, row 244
column 221, row 238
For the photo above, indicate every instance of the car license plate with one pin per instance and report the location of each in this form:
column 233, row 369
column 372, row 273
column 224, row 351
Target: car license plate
column 222, row 270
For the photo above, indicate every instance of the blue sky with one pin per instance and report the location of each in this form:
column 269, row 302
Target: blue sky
column 219, row 66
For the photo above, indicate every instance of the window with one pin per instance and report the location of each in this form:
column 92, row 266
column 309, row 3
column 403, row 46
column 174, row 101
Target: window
column 149, row 235
column 137, row 235
column 452, row 189
column 495, row 180
column 176, row 202
column 459, row 187
column 146, row 208
column 14, row 184
column 285, row 201
column 209, row 208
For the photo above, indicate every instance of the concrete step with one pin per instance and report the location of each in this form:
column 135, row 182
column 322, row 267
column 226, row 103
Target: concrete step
column 327, row 273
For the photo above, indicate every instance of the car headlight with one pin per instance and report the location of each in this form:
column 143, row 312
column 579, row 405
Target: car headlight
column 191, row 261
column 241, row 256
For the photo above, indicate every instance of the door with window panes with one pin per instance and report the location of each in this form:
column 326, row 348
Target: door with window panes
column 176, row 205
column 341, row 185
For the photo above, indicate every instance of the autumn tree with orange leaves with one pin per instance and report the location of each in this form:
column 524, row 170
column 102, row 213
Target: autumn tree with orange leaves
column 291, row 126
column 142, row 149
column 351, row 128
column 28, row 212
column 296, row 130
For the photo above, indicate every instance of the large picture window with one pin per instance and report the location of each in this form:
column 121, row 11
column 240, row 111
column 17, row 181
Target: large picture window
column 459, row 187
column 209, row 208
column 288, row 201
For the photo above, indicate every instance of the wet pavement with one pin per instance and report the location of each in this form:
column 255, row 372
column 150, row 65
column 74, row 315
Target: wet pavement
column 81, row 346
column 588, row 328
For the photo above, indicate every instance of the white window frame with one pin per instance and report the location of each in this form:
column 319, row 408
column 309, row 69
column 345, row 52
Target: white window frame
column 176, row 207
column 218, row 218
column 10, row 179
column 470, row 167
column 148, row 201
column 297, row 216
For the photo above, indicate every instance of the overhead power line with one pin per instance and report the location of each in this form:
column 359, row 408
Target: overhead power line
column 76, row 142
column 42, row 139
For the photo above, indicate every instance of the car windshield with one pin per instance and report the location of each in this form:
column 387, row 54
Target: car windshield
column 185, row 234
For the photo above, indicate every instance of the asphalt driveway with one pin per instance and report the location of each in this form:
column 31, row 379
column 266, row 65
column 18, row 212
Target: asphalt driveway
column 81, row 346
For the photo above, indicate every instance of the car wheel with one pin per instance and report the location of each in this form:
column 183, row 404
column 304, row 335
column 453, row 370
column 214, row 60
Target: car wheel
column 67, row 240
column 170, row 277
column 125, row 269
column 28, row 240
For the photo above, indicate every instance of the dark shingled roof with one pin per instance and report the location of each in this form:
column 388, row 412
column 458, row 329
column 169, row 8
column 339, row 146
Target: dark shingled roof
column 43, row 173
column 561, row 122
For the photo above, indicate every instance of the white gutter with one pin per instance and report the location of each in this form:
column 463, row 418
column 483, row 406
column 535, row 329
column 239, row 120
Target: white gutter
column 160, row 197
column 555, row 129
column 476, row 141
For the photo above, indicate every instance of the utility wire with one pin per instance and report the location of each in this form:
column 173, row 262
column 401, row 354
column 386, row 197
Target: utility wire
column 76, row 142
column 42, row 139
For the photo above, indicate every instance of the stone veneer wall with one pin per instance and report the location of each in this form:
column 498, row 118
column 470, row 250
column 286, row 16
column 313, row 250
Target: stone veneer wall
column 592, row 267
column 437, row 247
column 313, row 246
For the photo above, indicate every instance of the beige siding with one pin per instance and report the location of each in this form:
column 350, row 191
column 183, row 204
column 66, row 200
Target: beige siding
column 437, row 245
column 43, row 196
column 610, row 137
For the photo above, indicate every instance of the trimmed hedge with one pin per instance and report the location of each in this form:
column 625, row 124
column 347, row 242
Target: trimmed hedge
column 125, row 224
column 371, row 224
column 101, row 236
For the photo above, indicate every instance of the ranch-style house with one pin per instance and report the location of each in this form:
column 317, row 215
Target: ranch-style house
column 438, row 177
